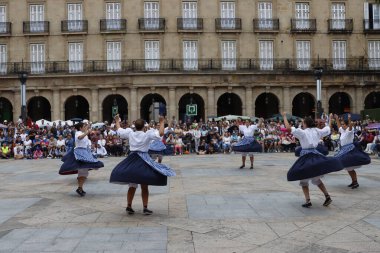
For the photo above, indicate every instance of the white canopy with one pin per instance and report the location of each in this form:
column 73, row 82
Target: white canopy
column 44, row 124
column 232, row 117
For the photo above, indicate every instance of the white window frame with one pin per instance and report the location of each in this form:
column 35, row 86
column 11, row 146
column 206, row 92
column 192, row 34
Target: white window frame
column 75, row 17
column 376, row 16
column 190, row 55
column 113, row 16
column 151, row 15
column 302, row 15
column 113, row 56
column 339, row 51
column 37, row 58
column 189, row 14
column 265, row 14
column 75, row 57
column 3, row 59
column 152, row 55
column 303, row 50
column 266, row 52
column 36, row 15
column 338, row 15
column 227, row 15
column 228, row 50
column 374, row 54
column 3, row 18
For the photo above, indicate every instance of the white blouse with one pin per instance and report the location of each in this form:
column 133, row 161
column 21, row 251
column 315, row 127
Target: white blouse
column 310, row 137
column 139, row 140
column 81, row 143
column 247, row 131
column 346, row 136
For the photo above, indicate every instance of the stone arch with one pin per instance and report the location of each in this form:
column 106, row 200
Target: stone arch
column 229, row 104
column 372, row 100
column 191, row 98
column 39, row 107
column 266, row 105
column 6, row 110
column 339, row 103
column 111, row 101
column 151, row 106
column 303, row 105
column 77, row 107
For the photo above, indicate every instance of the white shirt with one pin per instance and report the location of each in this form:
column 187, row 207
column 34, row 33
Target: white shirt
column 23, row 136
column 346, row 136
column 60, row 143
column 310, row 137
column 139, row 141
column 81, row 143
column 101, row 151
column 102, row 142
column 247, row 131
column 27, row 143
column 226, row 140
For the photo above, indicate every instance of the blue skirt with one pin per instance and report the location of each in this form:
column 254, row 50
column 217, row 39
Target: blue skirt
column 354, row 158
column 320, row 148
column 313, row 165
column 71, row 165
column 139, row 168
column 157, row 148
column 247, row 145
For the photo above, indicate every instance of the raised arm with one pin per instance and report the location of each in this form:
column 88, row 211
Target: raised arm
column 85, row 132
column 162, row 126
column 117, row 122
column 349, row 122
column 336, row 117
column 286, row 122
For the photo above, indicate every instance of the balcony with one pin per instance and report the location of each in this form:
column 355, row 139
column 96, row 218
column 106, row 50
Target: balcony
column 5, row 28
column 371, row 26
column 228, row 25
column 266, row 25
column 303, row 25
column 113, row 25
column 36, row 27
column 189, row 24
column 341, row 25
column 74, row 26
column 151, row 25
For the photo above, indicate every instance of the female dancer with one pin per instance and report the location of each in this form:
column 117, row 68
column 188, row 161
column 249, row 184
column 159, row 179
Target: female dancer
column 351, row 156
column 312, row 164
column 248, row 145
column 80, row 159
column 157, row 148
column 138, row 167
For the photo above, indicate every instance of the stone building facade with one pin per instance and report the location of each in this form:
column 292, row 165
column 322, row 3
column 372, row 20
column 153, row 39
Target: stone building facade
column 244, row 57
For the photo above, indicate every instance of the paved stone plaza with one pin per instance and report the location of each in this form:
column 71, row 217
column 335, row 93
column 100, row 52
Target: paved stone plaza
column 211, row 206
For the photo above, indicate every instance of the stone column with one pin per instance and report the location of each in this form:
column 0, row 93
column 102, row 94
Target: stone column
column 286, row 104
column 248, row 101
column 56, row 105
column 172, row 104
column 16, row 105
column 358, row 104
column 325, row 101
column 94, row 105
column 133, row 106
column 210, row 102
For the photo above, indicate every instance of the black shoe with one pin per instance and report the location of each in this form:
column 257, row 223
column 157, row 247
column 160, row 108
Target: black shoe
column 147, row 211
column 129, row 210
column 307, row 204
column 327, row 201
column 350, row 185
column 81, row 192
column 251, row 167
column 241, row 167
column 355, row 185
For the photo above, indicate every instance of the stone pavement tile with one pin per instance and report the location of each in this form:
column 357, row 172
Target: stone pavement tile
column 346, row 234
column 304, row 237
column 73, row 233
column 151, row 251
column 224, row 250
column 96, row 238
column 43, row 235
column 19, row 234
column 367, row 229
column 34, row 247
column 216, row 242
column 314, row 248
column 283, row 228
column 59, row 245
column 153, row 237
column 280, row 246
column 354, row 246
column 9, row 245
column 108, row 230
column 144, row 245
column 124, row 237
column 147, row 230
column 98, row 246
column 326, row 227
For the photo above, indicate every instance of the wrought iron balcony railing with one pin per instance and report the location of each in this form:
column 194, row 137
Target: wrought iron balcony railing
column 303, row 25
column 36, row 27
column 266, row 25
column 5, row 28
column 341, row 25
column 189, row 24
column 256, row 66
column 371, row 26
column 74, row 26
column 228, row 24
column 113, row 25
column 151, row 24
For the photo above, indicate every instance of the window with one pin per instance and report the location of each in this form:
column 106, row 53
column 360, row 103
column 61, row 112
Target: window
column 374, row 54
column 302, row 16
column 3, row 19
column 303, row 55
column 3, row 59
column 113, row 16
column 36, row 18
column 75, row 57
column 190, row 55
column 152, row 55
column 265, row 15
column 189, row 15
column 151, row 15
column 228, row 15
column 338, row 16
column 372, row 16
column 229, row 55
column 266, row 54
column 113, row 56
column 37, row 58
column 74, row 16
column 339, row 55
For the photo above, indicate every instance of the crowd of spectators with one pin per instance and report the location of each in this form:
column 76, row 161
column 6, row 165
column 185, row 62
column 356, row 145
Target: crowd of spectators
column 33, row 141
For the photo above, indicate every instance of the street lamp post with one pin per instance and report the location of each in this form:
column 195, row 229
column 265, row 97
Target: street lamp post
column 318, row 71
column 23, row 76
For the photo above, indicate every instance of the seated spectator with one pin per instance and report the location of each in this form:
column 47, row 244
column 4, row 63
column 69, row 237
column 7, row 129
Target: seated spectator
column 202, row 149
column 5, row 151
column 226, row 143
column 60, row 142
column 100, row 151
column 178, row 145
column 18, row 152
column 37, row 154
column 60, row 152
column 52, row 143
column 335, row 138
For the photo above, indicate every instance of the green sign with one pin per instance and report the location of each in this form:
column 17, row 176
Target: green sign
column 191, row 110
column 115, row 111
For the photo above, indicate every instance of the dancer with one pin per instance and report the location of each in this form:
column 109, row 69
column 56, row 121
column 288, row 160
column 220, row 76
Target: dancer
column 138, row 167
column 312, row 165
column 248, row 145
column 80, row 159
column 351, row 156
column 157, row 148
